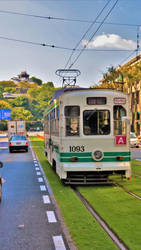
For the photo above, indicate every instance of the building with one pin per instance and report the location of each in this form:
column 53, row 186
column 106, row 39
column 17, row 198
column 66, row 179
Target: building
column 131, row 83
column 22, row 77
column 134, row 89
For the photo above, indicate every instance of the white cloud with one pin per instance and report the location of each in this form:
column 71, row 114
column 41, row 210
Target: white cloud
column 110, row 41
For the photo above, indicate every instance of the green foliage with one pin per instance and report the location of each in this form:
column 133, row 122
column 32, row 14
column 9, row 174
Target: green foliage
column 49, row 84
column 4, row 84
column 10, row 90
column 20, row 112
column 4, row 105
column 20, row 101
column 31, row 106
column 36, row 80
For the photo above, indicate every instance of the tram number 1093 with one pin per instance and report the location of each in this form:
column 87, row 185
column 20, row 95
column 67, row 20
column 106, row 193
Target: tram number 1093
column 77, row 148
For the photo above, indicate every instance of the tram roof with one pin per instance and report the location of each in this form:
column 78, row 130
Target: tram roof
column 61, row 91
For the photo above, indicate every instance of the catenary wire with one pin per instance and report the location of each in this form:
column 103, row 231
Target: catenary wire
column 94, row 33
column 62, row 48
column 86, row 32
column 66, row 19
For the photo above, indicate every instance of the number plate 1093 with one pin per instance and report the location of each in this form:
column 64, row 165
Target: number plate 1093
column 77, row 148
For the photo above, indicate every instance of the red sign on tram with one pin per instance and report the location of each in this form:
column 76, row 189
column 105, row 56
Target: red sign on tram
column 120, row 140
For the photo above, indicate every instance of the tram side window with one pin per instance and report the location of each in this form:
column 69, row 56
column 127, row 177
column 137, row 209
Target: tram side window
column 119, row 125
column 96, row 122
column 46, row 124
column 72, row 116
column 52, row 123
column 57, row 122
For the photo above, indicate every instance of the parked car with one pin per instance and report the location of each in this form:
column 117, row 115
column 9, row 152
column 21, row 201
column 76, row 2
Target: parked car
column 18, row 142
column 134, row 141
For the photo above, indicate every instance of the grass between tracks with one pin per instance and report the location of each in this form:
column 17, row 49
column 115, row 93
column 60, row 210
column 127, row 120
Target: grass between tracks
column 84, row 230
column 121, row 211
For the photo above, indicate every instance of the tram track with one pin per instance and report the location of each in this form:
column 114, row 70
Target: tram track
column 127, row 191
column 115, row 238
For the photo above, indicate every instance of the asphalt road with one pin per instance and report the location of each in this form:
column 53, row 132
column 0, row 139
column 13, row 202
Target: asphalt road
column 28, row 219
column 136, row 153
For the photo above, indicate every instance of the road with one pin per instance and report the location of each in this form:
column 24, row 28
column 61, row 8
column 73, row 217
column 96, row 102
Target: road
column 28, row 218
column 136, row 153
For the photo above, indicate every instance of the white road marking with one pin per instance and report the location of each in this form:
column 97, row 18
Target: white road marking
column 37, row 168
column 40, row 179
column 46, row 199
column 51, row 216
column 59, row 243
column 43, row 188
column 38, row 173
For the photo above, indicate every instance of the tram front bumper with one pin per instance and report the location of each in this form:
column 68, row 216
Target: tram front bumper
column 98, row 166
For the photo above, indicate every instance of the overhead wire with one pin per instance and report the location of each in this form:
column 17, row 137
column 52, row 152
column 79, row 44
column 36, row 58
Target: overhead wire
column 59, row 47
column 86, row 32
column 109, row 12
column 66, row 19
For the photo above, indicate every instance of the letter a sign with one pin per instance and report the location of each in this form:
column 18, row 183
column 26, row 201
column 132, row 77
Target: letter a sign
column 120, row 140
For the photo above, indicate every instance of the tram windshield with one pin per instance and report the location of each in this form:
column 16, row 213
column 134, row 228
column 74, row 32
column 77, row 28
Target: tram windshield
column 96, row 122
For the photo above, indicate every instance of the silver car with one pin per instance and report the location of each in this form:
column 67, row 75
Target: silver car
column 134, row 142
column 18, row 142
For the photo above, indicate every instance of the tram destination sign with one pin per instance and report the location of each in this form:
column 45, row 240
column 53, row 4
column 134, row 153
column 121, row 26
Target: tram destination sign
column 5, row 114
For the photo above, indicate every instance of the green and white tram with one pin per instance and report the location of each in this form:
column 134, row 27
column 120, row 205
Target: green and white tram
column 86, row 133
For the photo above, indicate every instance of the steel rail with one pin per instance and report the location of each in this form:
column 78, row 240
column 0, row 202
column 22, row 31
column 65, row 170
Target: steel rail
column 128, row 192
column 119, row 243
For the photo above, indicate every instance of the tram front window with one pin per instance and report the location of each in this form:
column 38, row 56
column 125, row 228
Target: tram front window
column 96, row 122
column 119, row 125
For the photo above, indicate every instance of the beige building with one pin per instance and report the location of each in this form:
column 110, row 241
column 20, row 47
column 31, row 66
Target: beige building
column 135, row 98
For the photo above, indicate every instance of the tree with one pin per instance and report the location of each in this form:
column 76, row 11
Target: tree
column 20, row 101
column 49, row 84
column 36, row 80
column 4, row 84
column 21, row 113
column 10, row 90
column 4, row 105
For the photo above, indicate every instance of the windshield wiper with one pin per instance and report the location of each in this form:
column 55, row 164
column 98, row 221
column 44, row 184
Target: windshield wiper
column 92, row 112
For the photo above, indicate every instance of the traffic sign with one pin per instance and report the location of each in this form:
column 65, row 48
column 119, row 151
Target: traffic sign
column 5, row 114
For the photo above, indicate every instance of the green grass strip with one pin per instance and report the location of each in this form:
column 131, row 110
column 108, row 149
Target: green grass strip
column 134, row 185
column 121, row 211
column 85, row 231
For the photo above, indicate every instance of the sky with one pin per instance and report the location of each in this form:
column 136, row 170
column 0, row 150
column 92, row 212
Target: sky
column 23, row 20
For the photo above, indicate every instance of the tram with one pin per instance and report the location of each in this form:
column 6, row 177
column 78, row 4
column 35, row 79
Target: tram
column 86, row 135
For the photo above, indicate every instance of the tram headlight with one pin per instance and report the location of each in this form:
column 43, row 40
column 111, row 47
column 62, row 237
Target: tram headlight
column 97, row 155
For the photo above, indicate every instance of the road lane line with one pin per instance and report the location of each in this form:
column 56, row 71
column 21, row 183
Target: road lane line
column 46, row 199
column 37, row 168
column 51, row 217
column 38, row 173
column 59, row 243
column 43, row 188
column 40, row 179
